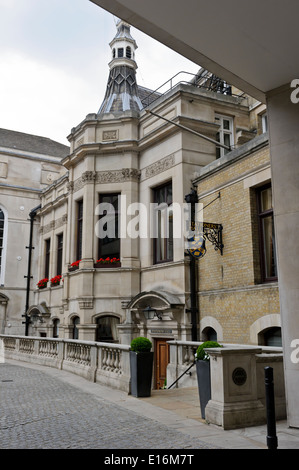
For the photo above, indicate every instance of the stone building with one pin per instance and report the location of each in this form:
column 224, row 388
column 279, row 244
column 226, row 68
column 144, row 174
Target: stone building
column 113, row 233
column 28, row 164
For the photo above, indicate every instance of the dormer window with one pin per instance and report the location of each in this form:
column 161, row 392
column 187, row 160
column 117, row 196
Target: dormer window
column 120, row 52
column 128, row 52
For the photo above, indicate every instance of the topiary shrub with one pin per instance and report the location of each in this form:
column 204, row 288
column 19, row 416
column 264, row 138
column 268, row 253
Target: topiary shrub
column 201, row 354
column 141, row 344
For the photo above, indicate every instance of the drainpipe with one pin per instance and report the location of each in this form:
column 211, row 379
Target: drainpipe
column 32, row 215
column 192, row 199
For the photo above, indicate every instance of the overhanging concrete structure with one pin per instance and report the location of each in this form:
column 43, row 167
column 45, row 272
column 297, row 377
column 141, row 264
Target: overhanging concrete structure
column 254, row 47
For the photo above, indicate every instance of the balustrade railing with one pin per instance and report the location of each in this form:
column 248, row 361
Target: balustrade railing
column 48, row 348
column 77, row 352
column 106, row 363
column 111, row 360
column 9, row 343
column 26, row 346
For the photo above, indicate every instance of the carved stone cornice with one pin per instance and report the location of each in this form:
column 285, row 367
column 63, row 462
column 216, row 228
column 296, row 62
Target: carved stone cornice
column 85, row 302
column 118, row 176
column 54, row 224
column 106, row 177
column 158, row 167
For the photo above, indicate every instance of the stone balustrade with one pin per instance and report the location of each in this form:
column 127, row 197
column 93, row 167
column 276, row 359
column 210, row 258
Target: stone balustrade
column 237, row 381
column 104, row 363
column 233, row 403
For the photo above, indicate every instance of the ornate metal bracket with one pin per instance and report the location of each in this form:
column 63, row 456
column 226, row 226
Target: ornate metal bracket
column 213, row 233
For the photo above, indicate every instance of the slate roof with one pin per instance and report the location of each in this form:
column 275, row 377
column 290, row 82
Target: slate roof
column 32, row 143
column 147, row 96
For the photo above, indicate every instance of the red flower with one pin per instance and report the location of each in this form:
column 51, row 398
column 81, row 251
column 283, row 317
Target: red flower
column 76, row 263
column 42, row 282
column 56, row 280
column 108, row 260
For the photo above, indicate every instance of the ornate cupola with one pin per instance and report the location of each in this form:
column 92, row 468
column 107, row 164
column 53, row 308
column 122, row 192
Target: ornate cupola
column 122, row 91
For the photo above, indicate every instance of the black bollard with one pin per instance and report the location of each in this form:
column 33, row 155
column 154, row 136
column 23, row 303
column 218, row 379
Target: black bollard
column 270, row 404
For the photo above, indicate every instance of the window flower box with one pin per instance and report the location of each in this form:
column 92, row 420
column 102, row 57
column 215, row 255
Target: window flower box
column 74, row 266
column 55, row 281
column 42, row 284
column 107, row 263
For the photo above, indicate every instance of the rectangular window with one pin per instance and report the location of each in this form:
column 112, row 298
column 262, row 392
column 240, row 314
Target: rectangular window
column 59, row 253
column 47, row 257
column 264, row 122
column 267, row 235
column 225, row 134
column 79, row 229
column 109, row 241
column 163, row 220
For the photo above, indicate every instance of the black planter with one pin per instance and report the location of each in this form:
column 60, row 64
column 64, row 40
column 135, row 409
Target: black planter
column 204, row 384
column 141, row 365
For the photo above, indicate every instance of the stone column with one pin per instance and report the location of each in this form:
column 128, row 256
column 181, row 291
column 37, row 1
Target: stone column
column 283, row 118
column 234, row 402
column 88, row 220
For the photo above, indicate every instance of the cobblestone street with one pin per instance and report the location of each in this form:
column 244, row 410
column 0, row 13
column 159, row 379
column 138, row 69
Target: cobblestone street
column 38, row 411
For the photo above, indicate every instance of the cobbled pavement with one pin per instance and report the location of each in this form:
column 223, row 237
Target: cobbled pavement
column 39, row 411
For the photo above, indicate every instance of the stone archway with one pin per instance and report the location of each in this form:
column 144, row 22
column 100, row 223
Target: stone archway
column 157, row 315
column 38, row 316
column 263, row 323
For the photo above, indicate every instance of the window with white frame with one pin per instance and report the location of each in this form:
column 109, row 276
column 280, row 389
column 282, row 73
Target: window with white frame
column 225, row 134
column 264, row 122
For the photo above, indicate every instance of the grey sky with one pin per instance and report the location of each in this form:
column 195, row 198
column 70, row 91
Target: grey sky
column 54, row 58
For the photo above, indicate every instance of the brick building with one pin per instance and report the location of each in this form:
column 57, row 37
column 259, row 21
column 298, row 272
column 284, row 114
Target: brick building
column 238, row 291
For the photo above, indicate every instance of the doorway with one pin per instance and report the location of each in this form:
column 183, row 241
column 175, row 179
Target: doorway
column 161, row 361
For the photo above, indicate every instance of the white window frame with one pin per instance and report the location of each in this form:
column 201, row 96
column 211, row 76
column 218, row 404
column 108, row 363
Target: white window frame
column 4, row 247
column 264, row 122
column 219, row 118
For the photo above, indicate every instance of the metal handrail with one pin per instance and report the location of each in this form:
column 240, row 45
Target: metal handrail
column 181, row 376
column 204, row 80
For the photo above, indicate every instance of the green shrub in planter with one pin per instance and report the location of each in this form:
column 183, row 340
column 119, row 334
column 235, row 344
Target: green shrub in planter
column 141, row 344
column 203, row 373
column 141, row 365
column 201, row 354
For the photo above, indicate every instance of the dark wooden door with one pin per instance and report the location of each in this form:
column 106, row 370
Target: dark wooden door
column 161, row 361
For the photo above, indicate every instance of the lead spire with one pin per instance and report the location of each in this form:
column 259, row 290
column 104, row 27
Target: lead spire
column 122, row 91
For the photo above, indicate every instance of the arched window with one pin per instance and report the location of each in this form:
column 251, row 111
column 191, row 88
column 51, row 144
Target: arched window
column 56, row 328
column 270, row 337
column 209, row 334
column 75, row 323
column 107, row 329
column 120, row 52
column 3, row 228
column 113, row 53
column 128, row 52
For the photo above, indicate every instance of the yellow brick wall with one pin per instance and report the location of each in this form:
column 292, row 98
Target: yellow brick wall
column 227, row 283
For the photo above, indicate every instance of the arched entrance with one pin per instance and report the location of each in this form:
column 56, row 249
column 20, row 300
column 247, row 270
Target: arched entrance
column 158, row 316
